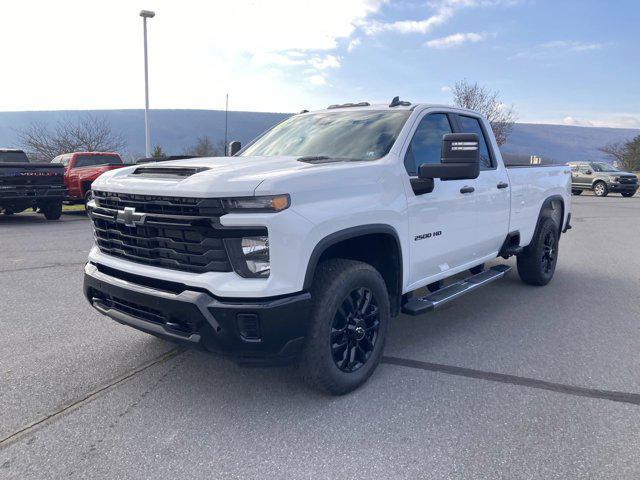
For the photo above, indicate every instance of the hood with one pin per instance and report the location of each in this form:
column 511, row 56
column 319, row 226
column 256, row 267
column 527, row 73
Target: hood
column 200, row 177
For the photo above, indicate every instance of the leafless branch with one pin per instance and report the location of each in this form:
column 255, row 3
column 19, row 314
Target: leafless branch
column 488, row 103
column 87, row 133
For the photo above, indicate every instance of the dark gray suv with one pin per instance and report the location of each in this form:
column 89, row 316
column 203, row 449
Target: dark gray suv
column 602, row 178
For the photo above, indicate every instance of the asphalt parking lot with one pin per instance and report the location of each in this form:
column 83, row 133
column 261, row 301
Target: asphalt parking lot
column 510, row 382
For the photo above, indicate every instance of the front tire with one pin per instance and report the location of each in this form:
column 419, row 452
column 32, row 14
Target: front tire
column 600, row 189
column 628, row 194
column 537, row 262
column 52, row 211
column 576, row 192
column 348, row 326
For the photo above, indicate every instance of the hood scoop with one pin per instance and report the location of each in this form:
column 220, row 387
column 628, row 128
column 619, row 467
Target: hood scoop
column 168, row 172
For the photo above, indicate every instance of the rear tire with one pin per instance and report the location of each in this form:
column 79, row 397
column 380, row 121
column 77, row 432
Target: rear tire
column 52, row 211
column 348, row 326
column 576, row 192
column 628, row 194
column 537, row 262
column 600, row 189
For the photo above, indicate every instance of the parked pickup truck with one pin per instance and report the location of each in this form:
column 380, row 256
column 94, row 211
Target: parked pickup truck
column 312, row 238
column 26, row 185
column 82, row 168
column 602, row 178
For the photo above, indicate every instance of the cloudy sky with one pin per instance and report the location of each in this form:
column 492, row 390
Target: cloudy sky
column 557, row 61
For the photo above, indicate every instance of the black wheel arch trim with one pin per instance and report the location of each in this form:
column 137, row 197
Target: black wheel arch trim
column 347, row 234
column 545, row 205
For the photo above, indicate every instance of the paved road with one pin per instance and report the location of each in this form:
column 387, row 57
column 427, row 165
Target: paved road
column 511, row 382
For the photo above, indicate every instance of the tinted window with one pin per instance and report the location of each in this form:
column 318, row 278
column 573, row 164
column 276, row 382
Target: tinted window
column 363, row 135
column 426, row 144
column 16, row 156
column 92, row 160
column 472, row 125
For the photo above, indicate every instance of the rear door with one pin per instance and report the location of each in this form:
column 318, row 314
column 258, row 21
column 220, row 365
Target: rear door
column 441, row 222
column 493, row 197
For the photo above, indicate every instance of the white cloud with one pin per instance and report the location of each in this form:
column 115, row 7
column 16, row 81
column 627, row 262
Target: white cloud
column 353, row 44
column 571, row 46
column 455, row 40
column 198, row 51
column 592, row 119
column 443, row 11
column 569, row 120
column 445, row 89
column 317, row 80
column 328, row 61
column 559, row 47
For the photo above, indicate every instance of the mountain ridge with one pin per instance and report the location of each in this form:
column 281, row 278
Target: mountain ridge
column 177, row 129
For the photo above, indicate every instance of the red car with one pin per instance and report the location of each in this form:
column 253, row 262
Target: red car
column 82, row 168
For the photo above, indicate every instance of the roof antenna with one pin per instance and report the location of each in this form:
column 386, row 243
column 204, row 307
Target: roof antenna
column 396, row 102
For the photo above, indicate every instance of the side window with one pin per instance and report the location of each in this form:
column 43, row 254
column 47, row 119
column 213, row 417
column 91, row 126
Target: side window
column 472, row 125
column 426, row 144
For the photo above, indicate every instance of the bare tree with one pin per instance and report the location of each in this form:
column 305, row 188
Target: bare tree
column 85, row 134
column 488, row 103
column 204, row 147
column 625, row 155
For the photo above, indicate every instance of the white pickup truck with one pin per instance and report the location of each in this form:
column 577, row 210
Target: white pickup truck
column 303, row 245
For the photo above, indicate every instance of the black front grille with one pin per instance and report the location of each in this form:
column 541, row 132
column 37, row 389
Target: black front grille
column 628, row 179
column 187, row 247
column 175, row 232
column 205, row 207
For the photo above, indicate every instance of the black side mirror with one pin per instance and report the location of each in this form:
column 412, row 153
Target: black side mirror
column 588, row 172
column 234, row 147
column 460, row 158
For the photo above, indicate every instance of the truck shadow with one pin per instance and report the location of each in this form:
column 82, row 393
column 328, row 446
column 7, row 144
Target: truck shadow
column 32, row 218
column 495, row 310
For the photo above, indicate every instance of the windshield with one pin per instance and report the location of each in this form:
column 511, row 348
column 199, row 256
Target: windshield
column 364, row 135
column 92, row 160
column 604, row 167
column 13, row 156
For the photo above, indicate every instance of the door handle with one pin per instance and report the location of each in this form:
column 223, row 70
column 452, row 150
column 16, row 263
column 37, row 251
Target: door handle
column 467, row 189
column 503, row 185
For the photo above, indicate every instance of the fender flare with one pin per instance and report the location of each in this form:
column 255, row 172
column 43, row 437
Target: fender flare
column 346, row 234
column 546, row 204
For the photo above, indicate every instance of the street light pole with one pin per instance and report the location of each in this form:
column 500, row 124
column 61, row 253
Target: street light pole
column 146, row 14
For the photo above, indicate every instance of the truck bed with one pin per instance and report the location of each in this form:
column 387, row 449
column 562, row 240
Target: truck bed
column 530, row 187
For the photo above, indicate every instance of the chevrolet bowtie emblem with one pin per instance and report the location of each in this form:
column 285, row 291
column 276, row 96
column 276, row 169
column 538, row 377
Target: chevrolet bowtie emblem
column 130, row 217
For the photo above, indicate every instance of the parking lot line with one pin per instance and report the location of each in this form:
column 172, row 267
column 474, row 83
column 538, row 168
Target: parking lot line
column 114, row 383
column 614, row 396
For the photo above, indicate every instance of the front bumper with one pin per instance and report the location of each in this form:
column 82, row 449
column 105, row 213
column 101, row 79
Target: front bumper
column 32, row 194
column 622, row 187
column 255, row 331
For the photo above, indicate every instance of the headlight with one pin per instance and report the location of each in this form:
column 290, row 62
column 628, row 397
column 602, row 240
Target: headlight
column 249, row 256
column 265, row 203
column 615, row 179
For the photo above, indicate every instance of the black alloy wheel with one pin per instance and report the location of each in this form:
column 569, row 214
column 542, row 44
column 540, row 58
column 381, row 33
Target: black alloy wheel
column 354, row 331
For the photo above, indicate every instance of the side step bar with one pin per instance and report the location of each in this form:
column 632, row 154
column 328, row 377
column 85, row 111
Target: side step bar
column 435, row 300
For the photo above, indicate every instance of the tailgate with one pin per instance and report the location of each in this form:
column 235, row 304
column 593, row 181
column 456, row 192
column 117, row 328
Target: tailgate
column 30, row 174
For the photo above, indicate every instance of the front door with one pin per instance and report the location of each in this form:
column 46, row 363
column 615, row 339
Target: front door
column 441, row 222
column 493, row 197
